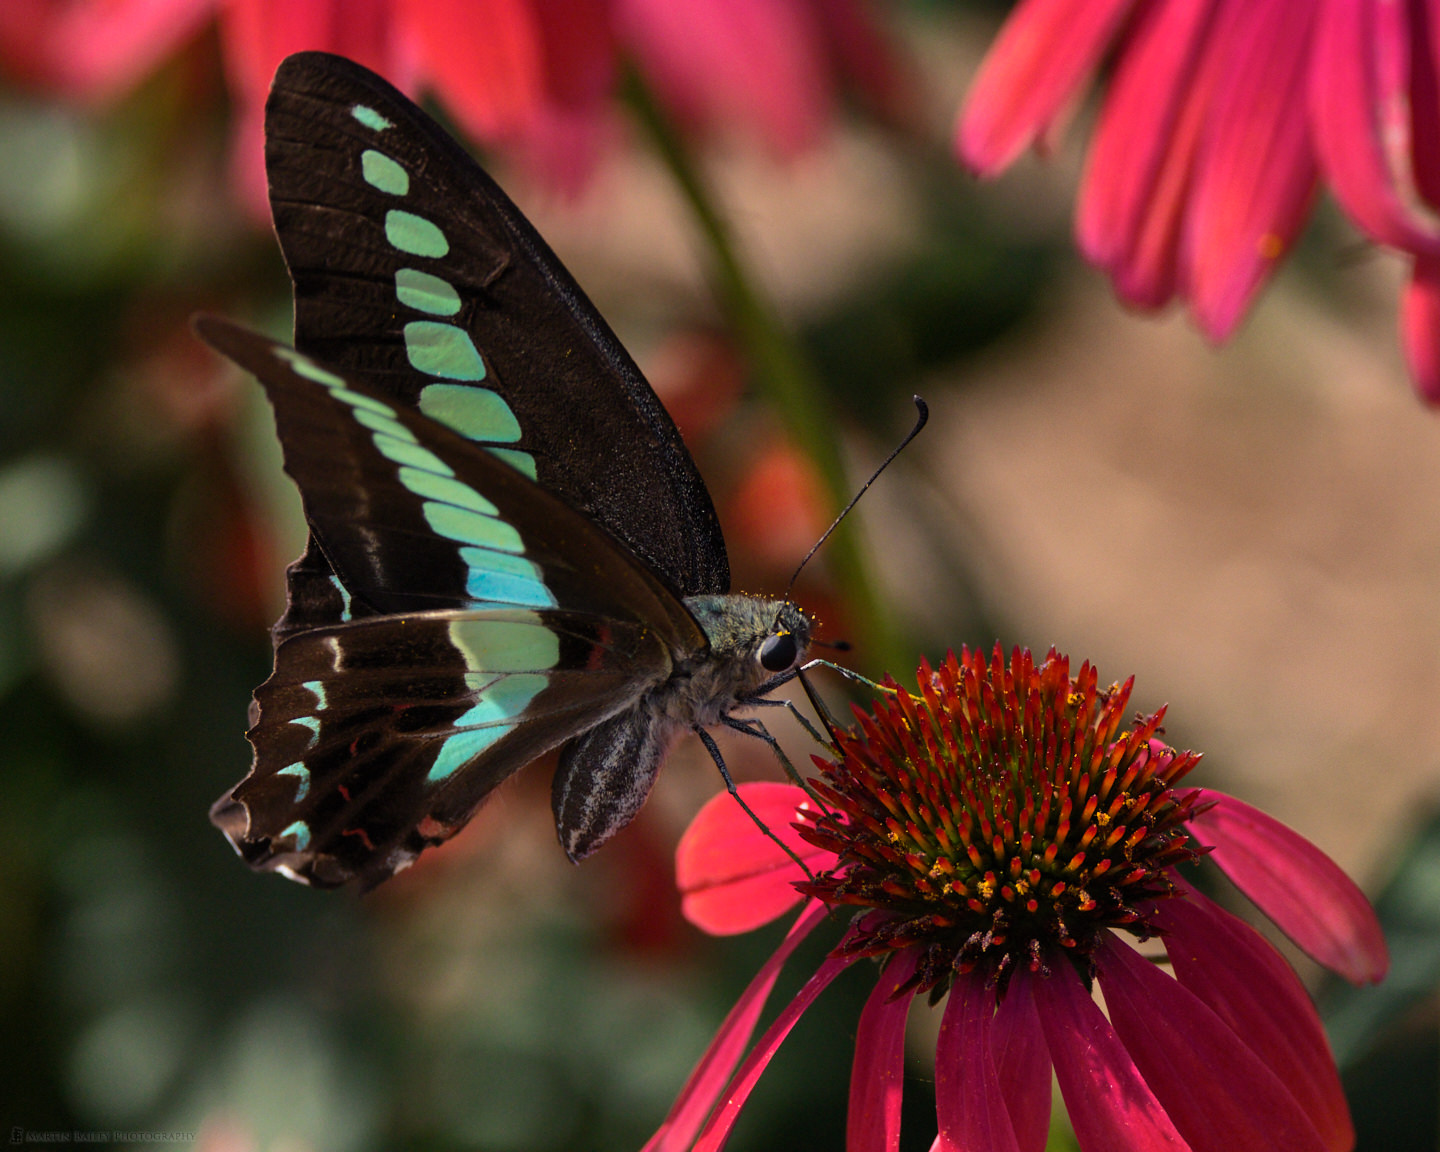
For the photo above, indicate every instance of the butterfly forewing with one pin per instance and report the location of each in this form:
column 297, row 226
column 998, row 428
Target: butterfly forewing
column 417, row 277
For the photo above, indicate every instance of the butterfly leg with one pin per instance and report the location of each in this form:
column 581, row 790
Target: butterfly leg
column 789, row 705
column 758, row 730
column 714, row 750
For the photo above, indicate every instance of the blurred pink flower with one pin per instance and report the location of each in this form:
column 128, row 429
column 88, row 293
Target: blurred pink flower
column 534, row 76
column 996, row 835
column 1220, row 118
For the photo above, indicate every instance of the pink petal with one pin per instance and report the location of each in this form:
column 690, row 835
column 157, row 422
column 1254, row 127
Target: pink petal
column 1023, row 1064
column 717, row 1131
column 753, row 63
column 733, row 877
column 1220, row 1095
column 1045, row 52
column 707, row 1079
column 1357, row 86
column 1420, row 327
column 1109, row 1104
column 1257, row 173
column 968, row 1101
column 485, row 58
column 1296, row 885
column 1230, row 967
column 1138, row 171
column 877, row 1077
column 863, row 52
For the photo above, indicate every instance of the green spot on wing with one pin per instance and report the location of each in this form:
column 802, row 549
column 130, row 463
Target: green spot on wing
column 403, row 452
column 475, row 413
column 426, row 293
column 518, row 642
column 461, row 748
column 471, row 527
column 504, row 562
column 427, row 484
column 414, row 234
column 378, row 423
column 302, row 365
column 303, row 773
column 301, row 831
column 370, row 118
column 503, row 702
column 520, row 461
column 317, row 689
column 442, row 350
column 383, row 173
column 356, row 400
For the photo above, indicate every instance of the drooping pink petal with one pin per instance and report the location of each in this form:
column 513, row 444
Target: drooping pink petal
column 1108, row 1102
column 717, row 1131
column 877, row 1077
column 732, row 876
column 863, row 52
column 1023, row 1064
column 1219, row 1094
column 712, row 1071
column 752, row 63
column 968, row 1102
column 1256, row 173
column 1296, row 885
column 1229, row 966
column 1357, row 94
column 1045, row 53
column 1420, row 327
column 1138, row 171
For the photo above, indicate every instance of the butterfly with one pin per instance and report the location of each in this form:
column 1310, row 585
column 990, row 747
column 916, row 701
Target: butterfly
column 510, row 548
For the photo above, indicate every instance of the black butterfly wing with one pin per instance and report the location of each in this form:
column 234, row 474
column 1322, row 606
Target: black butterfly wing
column 417, row 278
column 475, row 620
column 379, row 738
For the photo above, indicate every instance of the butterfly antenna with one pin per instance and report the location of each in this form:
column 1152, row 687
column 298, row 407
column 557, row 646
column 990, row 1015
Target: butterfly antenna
column 923, row 416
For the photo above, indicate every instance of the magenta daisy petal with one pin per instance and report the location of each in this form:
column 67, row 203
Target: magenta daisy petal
column 732, row 877
column 1232, row 968
column 1002, row 835
column 1296, row 885
column 968, row 1101
column 877, row 1078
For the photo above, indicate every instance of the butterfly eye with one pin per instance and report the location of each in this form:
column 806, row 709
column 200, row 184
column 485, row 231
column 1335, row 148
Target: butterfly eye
column 778, row 652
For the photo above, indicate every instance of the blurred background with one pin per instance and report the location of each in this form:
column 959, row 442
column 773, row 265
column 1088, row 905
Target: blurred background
column 1249, row 530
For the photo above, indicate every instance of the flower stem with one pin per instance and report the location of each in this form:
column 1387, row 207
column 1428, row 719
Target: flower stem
column 783, row 373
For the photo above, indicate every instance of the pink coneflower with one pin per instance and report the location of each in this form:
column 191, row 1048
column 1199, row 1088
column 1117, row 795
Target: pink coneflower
column 1220, row 118
column 1004, row 838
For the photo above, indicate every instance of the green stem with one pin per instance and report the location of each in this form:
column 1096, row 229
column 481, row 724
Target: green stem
column 783, row 373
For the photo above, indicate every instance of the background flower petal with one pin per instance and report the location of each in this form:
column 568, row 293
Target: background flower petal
column 1296, row 885
column 732, row 876
column 1136, row 187
column 1045, row 52
column 1220, row 1095
column 1420, row 327
column 1257, row 173
column 1108, row 1102
column 1236, row 972
column 1354, row 90
column 968, row 1101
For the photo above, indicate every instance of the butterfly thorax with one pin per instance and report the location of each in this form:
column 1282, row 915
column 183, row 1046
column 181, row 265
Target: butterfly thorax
column 705, row 686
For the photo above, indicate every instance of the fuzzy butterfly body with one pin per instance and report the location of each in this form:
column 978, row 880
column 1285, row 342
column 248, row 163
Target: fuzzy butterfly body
column 510, row 548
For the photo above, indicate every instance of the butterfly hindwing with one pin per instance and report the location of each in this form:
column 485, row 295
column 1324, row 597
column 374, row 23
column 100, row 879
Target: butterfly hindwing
column 379, row 738
column 417, row 278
